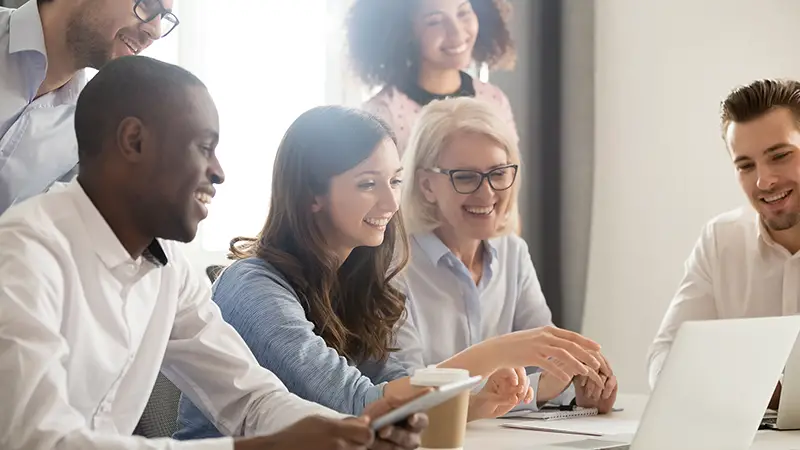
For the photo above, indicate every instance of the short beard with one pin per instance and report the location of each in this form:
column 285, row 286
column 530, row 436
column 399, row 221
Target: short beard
column 785, row 222
column 87, row 45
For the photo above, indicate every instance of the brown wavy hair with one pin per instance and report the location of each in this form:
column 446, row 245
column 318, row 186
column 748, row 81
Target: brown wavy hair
column 381, row 44
column 354, row 307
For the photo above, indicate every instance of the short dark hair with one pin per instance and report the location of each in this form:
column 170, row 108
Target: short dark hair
column 130, row 86
column 746, row 103
column 380, row 44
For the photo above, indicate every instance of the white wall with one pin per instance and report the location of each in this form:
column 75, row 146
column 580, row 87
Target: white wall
column 661, row 170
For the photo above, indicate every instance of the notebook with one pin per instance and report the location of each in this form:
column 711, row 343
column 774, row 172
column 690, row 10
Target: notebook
column 551, row 413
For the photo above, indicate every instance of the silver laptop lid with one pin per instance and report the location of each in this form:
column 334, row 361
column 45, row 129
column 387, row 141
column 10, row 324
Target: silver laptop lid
column 789, row 409
column 716, row 383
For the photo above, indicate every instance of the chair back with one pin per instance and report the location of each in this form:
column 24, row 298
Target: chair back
column 160, row 416
column 213, row 272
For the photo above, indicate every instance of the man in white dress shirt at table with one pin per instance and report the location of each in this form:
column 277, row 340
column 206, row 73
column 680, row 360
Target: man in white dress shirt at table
column 746, row 262
column 45, row 47
column 96, row 297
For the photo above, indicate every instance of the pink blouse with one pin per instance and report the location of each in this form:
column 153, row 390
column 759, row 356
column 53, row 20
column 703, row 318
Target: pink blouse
column 400, row 112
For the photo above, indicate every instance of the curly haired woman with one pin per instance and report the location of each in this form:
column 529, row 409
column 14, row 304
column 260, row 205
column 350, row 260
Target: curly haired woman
column 417, row 50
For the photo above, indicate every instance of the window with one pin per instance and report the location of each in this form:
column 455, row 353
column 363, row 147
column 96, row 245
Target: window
column 264, row 62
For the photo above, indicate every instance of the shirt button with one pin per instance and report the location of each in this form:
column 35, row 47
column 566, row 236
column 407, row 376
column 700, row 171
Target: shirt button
column 131, row 269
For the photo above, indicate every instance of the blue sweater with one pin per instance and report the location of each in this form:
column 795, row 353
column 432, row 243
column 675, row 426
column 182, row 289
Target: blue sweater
column 260, row 304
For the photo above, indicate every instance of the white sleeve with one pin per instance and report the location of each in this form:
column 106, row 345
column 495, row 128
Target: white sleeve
column 693, row 301
column 36, row 411
column 212, row 365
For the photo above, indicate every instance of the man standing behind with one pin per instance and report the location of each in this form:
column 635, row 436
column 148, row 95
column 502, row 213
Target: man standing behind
column 746, row 262
column 45, row 46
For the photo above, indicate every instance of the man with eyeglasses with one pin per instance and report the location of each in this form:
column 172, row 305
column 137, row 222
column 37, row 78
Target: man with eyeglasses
column 45, row 47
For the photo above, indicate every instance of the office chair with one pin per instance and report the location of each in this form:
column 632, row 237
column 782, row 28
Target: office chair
column 160, row 416
column 213, row 272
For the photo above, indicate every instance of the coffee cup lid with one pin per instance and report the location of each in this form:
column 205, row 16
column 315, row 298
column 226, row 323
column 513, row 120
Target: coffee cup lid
column 434, row 376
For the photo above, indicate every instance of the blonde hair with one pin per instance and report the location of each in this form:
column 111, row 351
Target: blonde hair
column 436, row 125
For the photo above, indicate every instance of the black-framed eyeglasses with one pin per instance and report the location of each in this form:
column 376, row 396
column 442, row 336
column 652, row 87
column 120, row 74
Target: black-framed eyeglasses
column 468, row 181
column 148, row 10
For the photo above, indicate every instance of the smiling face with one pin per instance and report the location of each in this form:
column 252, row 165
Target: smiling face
column 479, row 215
column 180, row 166
column 101, row 30
column 446, row 31
column 361, row 201
column 765, row 152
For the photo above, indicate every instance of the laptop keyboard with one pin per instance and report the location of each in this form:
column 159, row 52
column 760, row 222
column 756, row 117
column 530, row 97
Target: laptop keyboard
column 768, row 423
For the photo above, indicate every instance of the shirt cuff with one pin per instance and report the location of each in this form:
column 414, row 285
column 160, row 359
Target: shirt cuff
column 374, row 393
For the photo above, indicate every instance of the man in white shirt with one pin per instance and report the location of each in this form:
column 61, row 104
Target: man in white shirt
column 45, row 46
column 746, row 262
column 95, row 298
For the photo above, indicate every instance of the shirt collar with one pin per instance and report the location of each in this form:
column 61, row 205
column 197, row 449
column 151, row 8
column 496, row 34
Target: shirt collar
column 435, row 249
column 107, row 246
column 25, row 30
column 432, row 246
column 492, row 247
column 26, row 35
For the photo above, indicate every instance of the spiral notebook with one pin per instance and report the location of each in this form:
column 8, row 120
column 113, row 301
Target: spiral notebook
column 552, row 413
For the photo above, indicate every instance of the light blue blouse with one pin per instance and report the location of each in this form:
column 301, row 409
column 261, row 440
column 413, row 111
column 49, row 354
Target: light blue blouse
column 448, row 312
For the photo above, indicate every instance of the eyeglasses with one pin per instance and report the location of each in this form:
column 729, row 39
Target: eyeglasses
column 148, row 10
column 469, row 181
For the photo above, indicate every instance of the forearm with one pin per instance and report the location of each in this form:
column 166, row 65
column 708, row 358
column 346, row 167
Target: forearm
column 480, row 360
column 279, row 410
column 258, row 443
column 84, row 439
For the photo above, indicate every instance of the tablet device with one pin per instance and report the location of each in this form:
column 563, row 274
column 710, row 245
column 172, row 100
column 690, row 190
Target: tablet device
column 434, row 398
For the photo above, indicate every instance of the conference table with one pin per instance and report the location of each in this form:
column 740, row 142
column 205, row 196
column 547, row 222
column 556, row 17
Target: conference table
column 488, row 434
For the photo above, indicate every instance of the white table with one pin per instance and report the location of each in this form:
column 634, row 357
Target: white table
column 488, row 434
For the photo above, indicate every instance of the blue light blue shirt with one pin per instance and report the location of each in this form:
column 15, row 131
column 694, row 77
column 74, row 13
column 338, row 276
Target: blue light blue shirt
column 448, row 312
column 260, row 304
column 37, row 135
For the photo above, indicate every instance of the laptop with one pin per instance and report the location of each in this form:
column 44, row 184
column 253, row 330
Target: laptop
column 713, row 389
column 788, row 415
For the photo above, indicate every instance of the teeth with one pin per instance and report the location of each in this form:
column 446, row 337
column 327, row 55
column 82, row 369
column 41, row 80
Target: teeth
column 482, row 210
column 776, row 197
column 202, row 197
column 456, row 50
column 134, row 48
column 377, row 222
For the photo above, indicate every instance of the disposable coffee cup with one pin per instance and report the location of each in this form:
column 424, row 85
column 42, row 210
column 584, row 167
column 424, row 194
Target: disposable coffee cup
column 447, row 423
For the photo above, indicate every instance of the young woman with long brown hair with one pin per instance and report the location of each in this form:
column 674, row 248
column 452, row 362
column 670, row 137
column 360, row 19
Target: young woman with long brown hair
column 313, row 295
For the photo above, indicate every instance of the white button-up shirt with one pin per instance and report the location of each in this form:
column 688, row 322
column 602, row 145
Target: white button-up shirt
column 84, row 330
column 735, row 270
column 37, row 135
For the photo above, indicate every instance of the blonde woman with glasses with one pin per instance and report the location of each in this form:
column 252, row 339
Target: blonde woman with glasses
column 470, row 276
